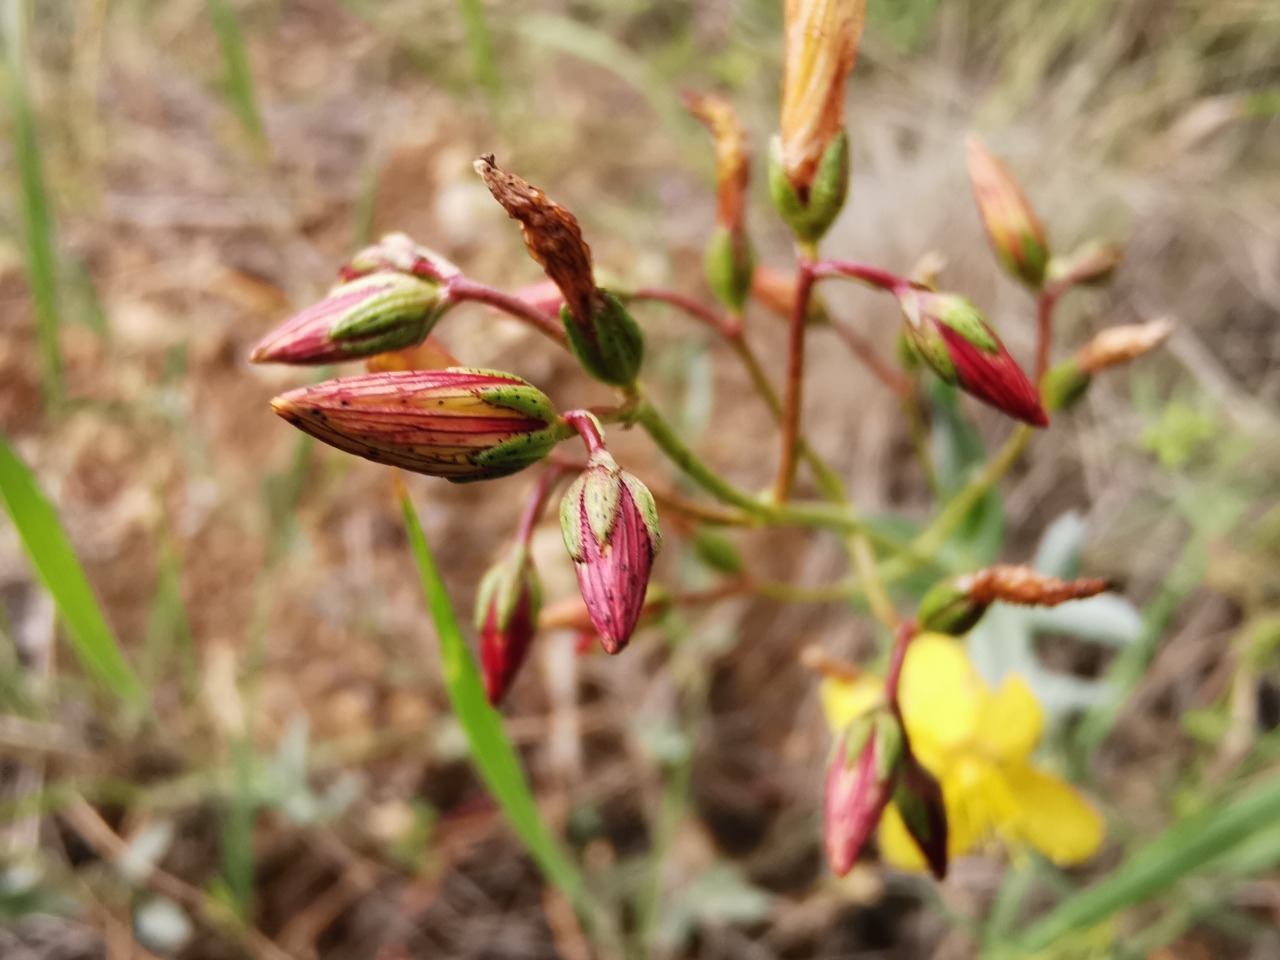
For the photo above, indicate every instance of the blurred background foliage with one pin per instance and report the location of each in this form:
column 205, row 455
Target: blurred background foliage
column 244, row 746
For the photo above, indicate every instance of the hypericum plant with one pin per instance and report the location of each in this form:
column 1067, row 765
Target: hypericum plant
column 928, row 750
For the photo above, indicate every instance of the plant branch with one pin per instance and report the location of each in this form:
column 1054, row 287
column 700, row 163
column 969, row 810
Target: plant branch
column 1046, row 302
column 864, row 273
column 462, row 289
column 794, row 398
column 726, row 326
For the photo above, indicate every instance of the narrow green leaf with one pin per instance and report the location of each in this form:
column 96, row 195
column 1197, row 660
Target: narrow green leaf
column 238, row 79
column 484, row 62
column 37, row 220
column 491, row 751
column 1180, row 851
column 54, row 561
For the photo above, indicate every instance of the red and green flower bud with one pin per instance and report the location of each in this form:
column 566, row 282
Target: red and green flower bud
column 730, row 262
column 1012, row 227
column 369, row 315
column 954, row 606
column 397, row 253
column 918, row 798
column 1066, row 383
column 610, row 526
column 610, row 346
column 461, row 424
column 861, row 779
column 811, row 210
column 507, row 607
column 952, row 337
column 1091, row 265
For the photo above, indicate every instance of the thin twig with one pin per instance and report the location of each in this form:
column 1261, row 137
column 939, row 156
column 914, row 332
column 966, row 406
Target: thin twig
column 794, row 396
column 463, row 289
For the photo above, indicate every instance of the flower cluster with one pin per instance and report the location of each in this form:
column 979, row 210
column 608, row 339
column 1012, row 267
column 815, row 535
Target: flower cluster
column 928, row 755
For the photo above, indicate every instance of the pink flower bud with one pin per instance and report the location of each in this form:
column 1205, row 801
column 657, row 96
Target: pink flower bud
column 860, row 782
column 951, row 336
column 370, row 315
column 610, row 526
column 460, row 424
column 507, row 606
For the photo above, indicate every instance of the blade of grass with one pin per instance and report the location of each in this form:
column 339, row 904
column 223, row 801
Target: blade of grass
column 54, row 560
column 1180, row 851
column 42, row 270
column 238, row 79
column 491, row 751
column 484, row 62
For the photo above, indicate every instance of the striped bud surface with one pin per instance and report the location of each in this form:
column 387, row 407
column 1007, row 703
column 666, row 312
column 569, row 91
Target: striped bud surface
column 861, row 779
column 366, row 316
column 461, row 424
column 952, row 337
column 1013, row 229
column 610, row 527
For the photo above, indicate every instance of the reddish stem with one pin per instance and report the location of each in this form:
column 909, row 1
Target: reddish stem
column 588, row 428
column 895, row 380
column 462, row 289
column 1046, row 302
column 725, row 326
column 795, row 381
column 893, row 678
column 872, row 276
column 538, row 502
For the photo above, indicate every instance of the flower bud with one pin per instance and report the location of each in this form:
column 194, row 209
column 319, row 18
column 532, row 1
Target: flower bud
column 821, row 45
column 1091, row 265
column 918, row 798
column 810, row 212
column 369, row 315
column 729, row 263
column 461, row 424
column 954, row 606
column 610, row 526
column 610, row 345
column 1013, row 229
column 507, row 606
column 397, row 253
column 717, row 551
column 861, row 779
column 952, row 337
column 602, row 335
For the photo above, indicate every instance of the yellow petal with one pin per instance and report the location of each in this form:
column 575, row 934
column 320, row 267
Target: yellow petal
column 1053, row 817
column 976, row 799
column 941, row 696
column 845, row 700
column 1011, row 721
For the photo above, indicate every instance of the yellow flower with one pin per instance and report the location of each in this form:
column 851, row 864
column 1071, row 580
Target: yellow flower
column 978, row 743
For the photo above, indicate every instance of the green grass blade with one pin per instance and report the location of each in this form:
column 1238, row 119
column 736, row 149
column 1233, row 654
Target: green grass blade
column 491, row 751
column 42, row 269
column 238, row 80
column 54, row 560
column 1180, row 851
column 484, row 62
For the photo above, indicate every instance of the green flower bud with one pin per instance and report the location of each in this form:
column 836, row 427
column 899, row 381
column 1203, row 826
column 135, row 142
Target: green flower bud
column 809, row 217
column 730, row 263
column 611, row 346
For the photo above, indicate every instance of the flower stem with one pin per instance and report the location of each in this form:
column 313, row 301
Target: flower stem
column 538, row 502
column 1046, row 301
column 462, row 289
column 724, row 325
column 795, row 374
column 907, row 631
column 865, row 273
column 588, row 428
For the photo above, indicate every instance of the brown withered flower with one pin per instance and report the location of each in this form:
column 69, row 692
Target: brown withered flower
column 733, row 155
column 551, row 233
column 821, row 45
column 1122, row 344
